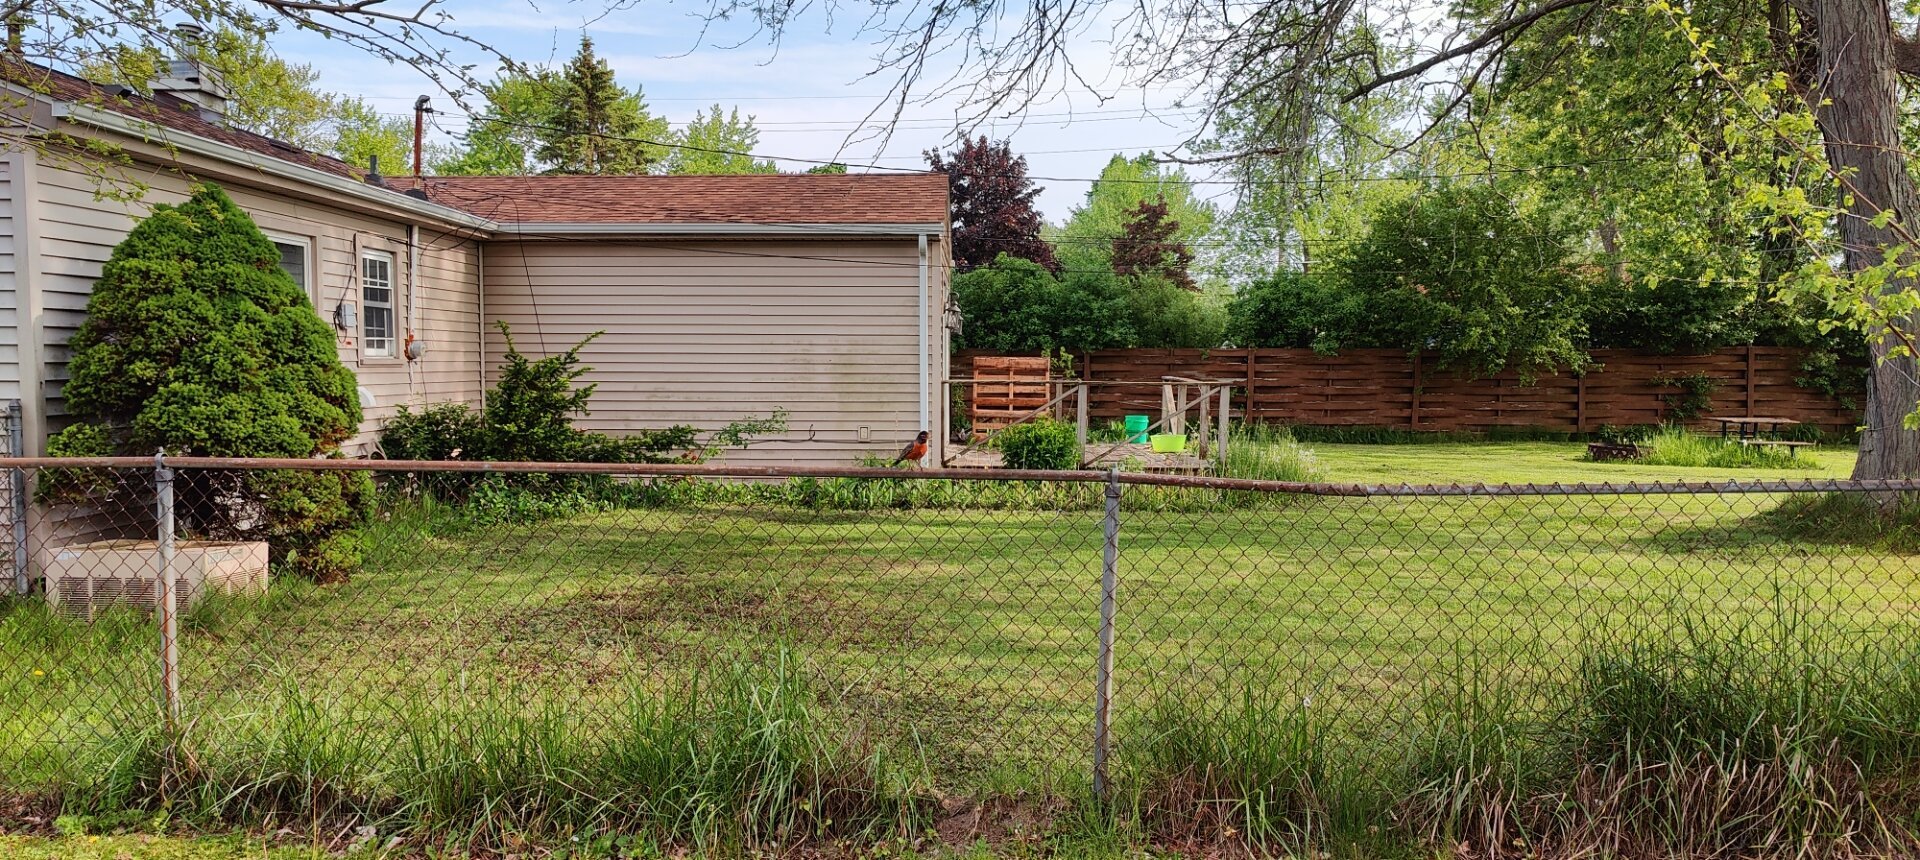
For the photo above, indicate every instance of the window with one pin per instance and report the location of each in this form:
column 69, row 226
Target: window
column 376, row 295
column 293, row 259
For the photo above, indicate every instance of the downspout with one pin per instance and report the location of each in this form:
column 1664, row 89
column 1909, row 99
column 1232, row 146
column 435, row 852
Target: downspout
column 31, row 330
column 480, row 278
column 921, row 325
column 413, row 304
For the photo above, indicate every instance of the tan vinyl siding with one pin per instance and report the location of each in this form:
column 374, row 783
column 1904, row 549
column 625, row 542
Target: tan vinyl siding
column 10, row 304
column 79, row 232
column 704, row 333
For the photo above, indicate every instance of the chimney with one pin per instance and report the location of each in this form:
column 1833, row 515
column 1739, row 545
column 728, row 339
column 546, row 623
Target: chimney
column 190, row 80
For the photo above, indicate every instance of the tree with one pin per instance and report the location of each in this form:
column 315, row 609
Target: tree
column 717, row 143
column 1085, row 241
column 1461, row 270
column 992, row 201
column 598, row 127
column 1146, row 246
column 76, row 34
column 360, row 133
column 1017, row 305
column 521, row 109
column 196, row 343
column 270, row 96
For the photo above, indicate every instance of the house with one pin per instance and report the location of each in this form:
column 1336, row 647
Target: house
column 721, row 297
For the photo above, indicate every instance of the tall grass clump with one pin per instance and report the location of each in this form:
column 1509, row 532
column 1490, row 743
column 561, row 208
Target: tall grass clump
column 1780, row 741
column 741, row 761
column 741, row 757
column 1675, row 446
column 1266, row 452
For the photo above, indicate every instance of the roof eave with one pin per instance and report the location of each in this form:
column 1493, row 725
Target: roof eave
column 535, row 229
column 194, row 144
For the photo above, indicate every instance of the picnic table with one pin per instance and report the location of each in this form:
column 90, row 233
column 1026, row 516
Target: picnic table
column 1752, row 428
column 1758, row 431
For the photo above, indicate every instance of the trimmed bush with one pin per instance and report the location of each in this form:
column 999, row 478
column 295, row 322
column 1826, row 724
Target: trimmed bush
column 198, row 344
column 1041, row 444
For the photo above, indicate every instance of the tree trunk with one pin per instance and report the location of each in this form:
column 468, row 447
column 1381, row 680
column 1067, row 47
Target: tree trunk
column 1859, row 122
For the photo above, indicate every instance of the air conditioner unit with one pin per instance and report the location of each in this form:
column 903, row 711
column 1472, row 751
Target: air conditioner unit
column 84, row 579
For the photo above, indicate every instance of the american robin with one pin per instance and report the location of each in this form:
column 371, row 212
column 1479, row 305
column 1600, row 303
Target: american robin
column 914, row 450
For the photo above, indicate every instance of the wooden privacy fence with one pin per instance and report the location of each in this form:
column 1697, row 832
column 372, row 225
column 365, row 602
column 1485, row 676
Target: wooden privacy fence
column 1388, row 388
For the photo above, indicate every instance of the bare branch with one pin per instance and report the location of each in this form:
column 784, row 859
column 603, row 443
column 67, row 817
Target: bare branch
column 1515, row 24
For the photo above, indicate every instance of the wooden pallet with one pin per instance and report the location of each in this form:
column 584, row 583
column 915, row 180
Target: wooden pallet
column 1005, row 388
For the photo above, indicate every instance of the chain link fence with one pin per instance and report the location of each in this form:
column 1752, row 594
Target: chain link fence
column 974, row 625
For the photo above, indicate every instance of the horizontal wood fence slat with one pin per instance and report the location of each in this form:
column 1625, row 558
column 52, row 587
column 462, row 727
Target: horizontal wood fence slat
column 1392, row 389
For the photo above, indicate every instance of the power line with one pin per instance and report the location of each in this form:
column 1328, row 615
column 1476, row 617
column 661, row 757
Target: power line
column 1307, row 182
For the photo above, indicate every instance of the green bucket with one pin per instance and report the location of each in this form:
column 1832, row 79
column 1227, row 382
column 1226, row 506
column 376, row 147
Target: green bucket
column 1137, row 428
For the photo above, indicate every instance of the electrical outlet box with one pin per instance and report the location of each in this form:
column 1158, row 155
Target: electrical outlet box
column 864, row 434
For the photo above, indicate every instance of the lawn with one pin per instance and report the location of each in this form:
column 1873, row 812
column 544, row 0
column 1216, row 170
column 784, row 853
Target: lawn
column 967, row 636
column 1535, row 463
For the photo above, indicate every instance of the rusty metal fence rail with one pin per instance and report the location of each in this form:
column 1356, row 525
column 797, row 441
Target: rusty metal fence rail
column 972, row 622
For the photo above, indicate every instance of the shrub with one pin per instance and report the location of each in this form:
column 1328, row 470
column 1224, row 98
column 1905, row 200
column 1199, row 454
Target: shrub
column 447, row 431
column 1041, row 444
column 198, row 344
column 1463, row 270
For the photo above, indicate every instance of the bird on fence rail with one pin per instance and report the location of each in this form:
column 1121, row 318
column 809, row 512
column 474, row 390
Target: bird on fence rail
column 913, row 452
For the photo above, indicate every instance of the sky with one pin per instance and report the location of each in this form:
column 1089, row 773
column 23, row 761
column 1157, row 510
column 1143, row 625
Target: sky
column 808, row 97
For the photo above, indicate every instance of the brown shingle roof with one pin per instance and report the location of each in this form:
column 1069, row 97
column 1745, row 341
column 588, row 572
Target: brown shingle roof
column 166, row 111
column 773, row 198
column 906, row 198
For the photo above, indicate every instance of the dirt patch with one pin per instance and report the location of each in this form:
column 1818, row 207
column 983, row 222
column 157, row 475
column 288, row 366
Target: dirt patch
column 997, row 822
column 27, row 814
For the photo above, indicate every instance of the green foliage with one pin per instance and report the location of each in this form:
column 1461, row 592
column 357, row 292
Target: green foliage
column 362, row 133
column 1301, row 311
column 1670, row 315
column 1692, row 397
column 1266, row 452
column 270, row 96
column 1462, row 269
column 445, row 431
column 1085, row 241
column 597, row 126
column 1040, row 444
column 716, row 142
column 529, row 417
column 529, row 413
column 196, row 343
column 1016, row 305
column 1674, row 446
column 521, row 109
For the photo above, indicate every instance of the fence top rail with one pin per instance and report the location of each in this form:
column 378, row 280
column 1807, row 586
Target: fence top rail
column 1201, row 482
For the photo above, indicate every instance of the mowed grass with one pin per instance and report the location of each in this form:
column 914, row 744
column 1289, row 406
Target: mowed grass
column 964, row 640
column 1537, row 463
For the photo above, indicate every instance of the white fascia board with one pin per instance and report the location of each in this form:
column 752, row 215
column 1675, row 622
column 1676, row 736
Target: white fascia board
column 534, row 229
column 197, row 145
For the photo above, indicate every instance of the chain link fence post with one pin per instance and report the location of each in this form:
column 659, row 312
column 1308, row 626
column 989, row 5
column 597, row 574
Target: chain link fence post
column 168, row 596
column 1103, row 672
column 16, row 447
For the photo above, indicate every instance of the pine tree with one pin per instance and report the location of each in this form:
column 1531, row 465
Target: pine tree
column 196, row 343
column 992, row 201
column 1146, row 246
column 598, row 126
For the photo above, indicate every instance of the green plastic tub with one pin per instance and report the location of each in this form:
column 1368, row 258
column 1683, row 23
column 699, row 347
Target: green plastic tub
column 1137, row 428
